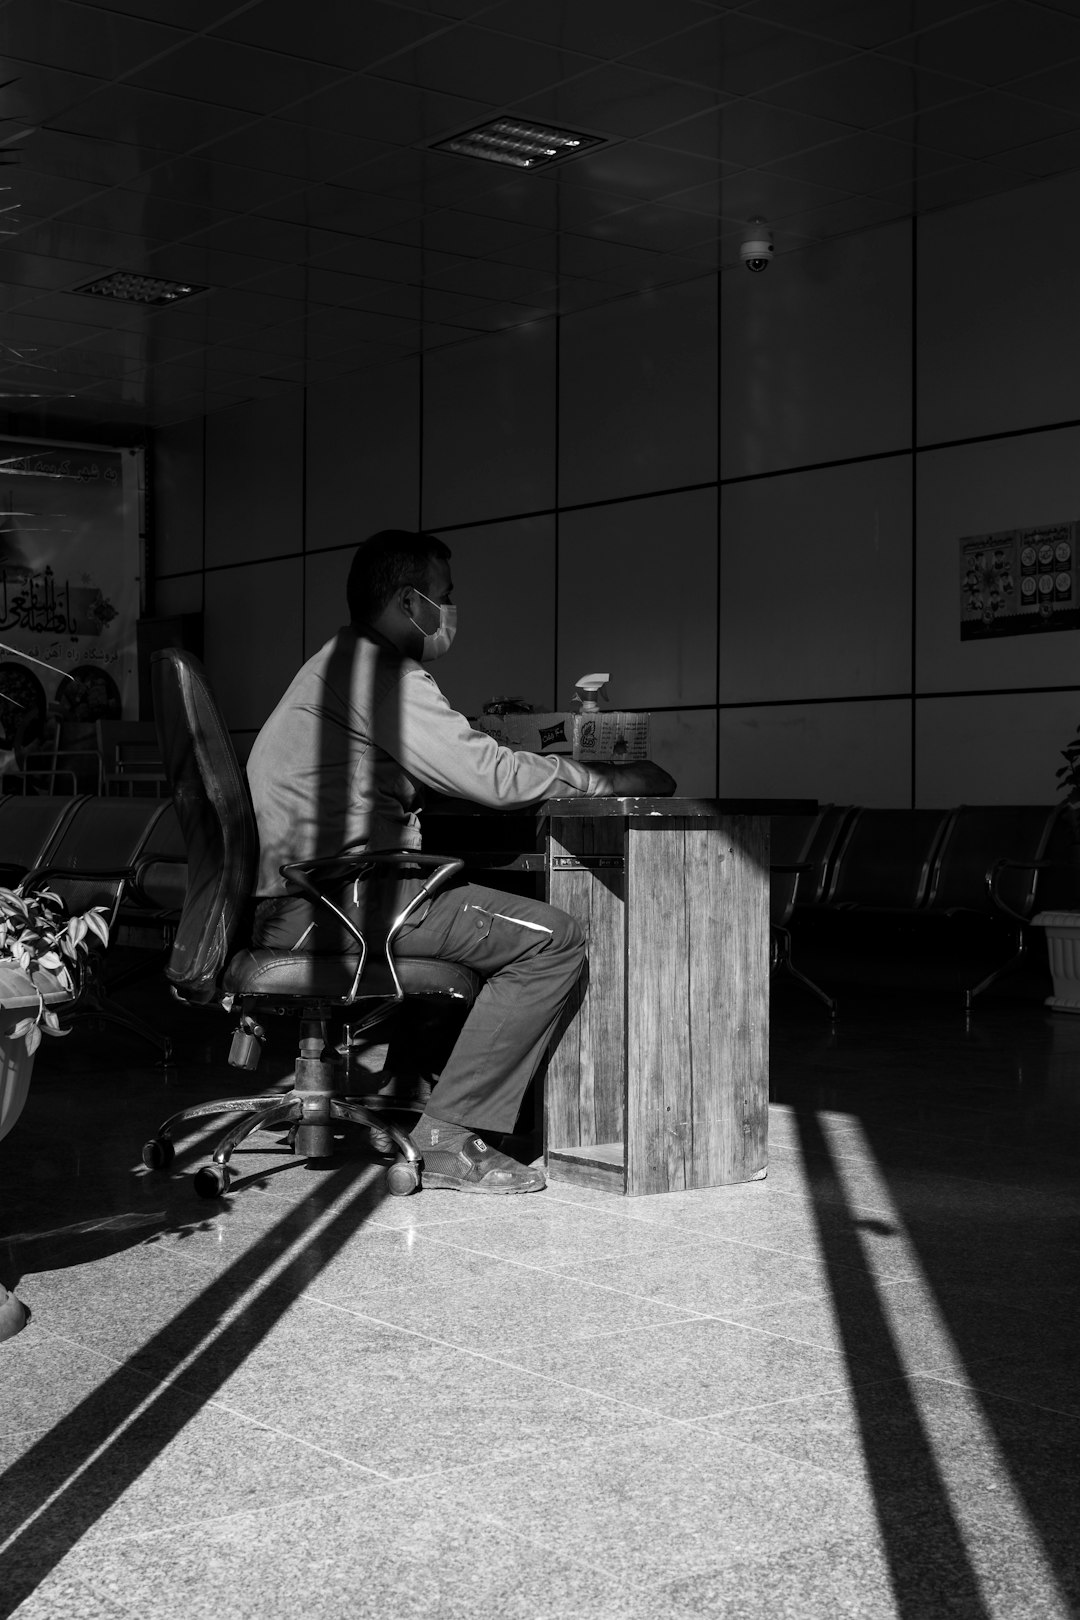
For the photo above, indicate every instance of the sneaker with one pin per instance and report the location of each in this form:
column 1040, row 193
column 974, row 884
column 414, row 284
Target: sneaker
column 474, row 1167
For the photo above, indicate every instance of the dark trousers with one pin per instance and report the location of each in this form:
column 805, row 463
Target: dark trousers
column 529, row 956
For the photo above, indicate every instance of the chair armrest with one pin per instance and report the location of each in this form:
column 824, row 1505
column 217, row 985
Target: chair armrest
column 338, row 869
column 1005, row 864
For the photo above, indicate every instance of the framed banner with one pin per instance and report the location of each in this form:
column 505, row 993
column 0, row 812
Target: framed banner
column 1018, row 581
column 70, row 584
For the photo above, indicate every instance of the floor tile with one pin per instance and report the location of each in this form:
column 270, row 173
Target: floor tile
column 905, row 1328
column 694, row 1368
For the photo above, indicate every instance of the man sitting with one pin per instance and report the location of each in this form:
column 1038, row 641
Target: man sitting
column 343, row 762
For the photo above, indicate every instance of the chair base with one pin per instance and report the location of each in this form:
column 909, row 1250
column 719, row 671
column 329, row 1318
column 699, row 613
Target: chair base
column 309, row 1116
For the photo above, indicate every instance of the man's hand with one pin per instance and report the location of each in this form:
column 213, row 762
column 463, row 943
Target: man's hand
column 643, row 780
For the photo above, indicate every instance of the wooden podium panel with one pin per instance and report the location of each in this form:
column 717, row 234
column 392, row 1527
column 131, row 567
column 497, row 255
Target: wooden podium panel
column 660, row 1080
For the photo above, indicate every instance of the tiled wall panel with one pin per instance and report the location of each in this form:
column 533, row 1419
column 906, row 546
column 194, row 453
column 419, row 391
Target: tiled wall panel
column 504, row 586
column 994, row 749
column 637, row 599
column 815, row 583
column 999, row 320
column 683, row 741
column 177, row 506
column 840, row 753
column 975, row 489
column 253, row 641
column 489, row 427
column 363, row 455
column 638, row 394
column 817, row 354
column 325, row 606
column 254, row 478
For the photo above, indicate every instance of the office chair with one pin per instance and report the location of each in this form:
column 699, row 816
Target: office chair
column 207, row 964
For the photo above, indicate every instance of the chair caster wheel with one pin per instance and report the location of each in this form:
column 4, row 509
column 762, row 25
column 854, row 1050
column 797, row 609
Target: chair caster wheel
column 158, row 1153
column 402, row 1179
column 212, row 1180
column 381, row 1140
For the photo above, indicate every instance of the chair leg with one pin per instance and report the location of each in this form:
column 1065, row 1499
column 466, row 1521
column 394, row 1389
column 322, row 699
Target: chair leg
column 100, row 1006
column 782, row 963
column 1014, row 961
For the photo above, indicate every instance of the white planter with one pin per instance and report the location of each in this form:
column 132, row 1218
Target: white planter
column 1063, row 949
column 16, row 1065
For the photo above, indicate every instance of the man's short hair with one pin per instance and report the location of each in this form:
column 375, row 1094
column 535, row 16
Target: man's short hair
column 383, row 563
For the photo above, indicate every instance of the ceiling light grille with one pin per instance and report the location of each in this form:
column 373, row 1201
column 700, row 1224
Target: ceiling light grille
column 521, row 145
column 130, row 288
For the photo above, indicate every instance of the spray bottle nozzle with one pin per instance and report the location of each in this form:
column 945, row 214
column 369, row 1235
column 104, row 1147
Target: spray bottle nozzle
column 588, row 690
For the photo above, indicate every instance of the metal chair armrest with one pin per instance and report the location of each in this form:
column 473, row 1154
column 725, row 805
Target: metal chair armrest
column 1003, row 864
column 340, row 868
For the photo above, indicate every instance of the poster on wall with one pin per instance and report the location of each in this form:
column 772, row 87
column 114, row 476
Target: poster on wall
column 70, row 558
column 1017, row 581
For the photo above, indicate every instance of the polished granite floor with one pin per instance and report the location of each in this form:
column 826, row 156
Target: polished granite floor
column 852, row 1389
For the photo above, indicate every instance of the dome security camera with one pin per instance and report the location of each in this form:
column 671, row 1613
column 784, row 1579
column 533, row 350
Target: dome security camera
column 756, row 247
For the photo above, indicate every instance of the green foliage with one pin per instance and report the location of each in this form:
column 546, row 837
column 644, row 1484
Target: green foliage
column 36, row 933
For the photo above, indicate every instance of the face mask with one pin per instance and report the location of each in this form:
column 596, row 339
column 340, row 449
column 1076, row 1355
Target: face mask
column 440, row 640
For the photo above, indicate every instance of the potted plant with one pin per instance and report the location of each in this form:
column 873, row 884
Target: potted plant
column 40, row 953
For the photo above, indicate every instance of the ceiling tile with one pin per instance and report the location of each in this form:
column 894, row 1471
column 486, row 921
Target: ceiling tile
column 758, row 194
column 351, row 35
column 739, row 55
column 616, row 100
column 292, row 149
column 965, row 183
column 32, row 95
column 229, row 75
column 144, row 118
column 1054, row 155
column 864, row 163
column 856, row 22
column 424, row 179
column 95, row 161
column 339, row 209
column 213, row 185
column 471, row 235
column 868, row 90
column 483, row 66
column 634, row 170
column 995, row 43
column 1059, row 86
column 197, row 14
column 142, row 215
column 652, row 225
column 505, row 283
column 83, row 40
column 842, row 217
column 264, row 238
column 392, row 114
column 984, row 126
column 603, row 28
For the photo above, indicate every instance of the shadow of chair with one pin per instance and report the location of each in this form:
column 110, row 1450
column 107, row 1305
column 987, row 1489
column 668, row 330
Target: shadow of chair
column 210, row 962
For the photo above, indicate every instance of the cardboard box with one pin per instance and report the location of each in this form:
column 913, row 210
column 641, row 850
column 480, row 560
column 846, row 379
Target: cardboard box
column 532, row 733
column 610, row 736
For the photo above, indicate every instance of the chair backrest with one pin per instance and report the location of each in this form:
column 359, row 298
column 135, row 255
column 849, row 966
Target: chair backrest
column 29, row 828
column 789, row 848
column 213, row 807
column 885, row 859
column 103, row 837
column 977, row 836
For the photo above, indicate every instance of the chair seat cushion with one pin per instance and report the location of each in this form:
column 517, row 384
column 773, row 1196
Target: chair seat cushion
column 294, row 974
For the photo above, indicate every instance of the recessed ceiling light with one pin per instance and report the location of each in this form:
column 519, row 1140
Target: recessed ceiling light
column 522, row 145
column 135, row 289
